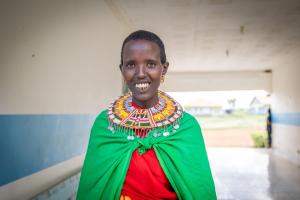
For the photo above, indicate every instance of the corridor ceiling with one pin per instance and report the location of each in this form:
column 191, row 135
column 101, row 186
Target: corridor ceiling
column 218, row 35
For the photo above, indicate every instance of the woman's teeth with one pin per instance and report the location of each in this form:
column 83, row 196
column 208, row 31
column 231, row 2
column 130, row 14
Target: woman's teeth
column 142, row 86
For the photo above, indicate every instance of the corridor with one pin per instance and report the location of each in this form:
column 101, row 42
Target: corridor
column 239, row 174
column 59, row 68
column 253, row 174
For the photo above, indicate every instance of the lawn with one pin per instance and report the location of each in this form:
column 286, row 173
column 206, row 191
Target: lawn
column 234, row 120
column 232, row 130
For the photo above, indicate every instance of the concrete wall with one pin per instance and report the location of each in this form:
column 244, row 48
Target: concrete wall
column 286, row 111
column 217, row 81
column 58, row 57
column 58, row 69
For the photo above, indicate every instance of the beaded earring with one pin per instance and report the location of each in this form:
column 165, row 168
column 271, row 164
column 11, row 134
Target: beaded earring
column 162, row 79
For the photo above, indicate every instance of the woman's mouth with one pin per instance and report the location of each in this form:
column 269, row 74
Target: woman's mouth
column 142, row 86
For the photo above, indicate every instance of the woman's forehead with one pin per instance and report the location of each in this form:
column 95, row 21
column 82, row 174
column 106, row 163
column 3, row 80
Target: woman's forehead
column 133, row 46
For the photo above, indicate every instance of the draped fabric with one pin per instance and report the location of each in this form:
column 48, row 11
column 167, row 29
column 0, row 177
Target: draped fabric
column 145, row 179
column 182, row 157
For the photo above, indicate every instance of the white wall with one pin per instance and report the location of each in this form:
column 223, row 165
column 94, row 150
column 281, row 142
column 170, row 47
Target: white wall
column 286, row 100
column 217, row 81
column 58, row 56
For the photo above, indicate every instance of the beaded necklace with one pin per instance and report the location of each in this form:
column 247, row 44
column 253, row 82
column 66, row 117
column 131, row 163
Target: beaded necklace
column 162, row 118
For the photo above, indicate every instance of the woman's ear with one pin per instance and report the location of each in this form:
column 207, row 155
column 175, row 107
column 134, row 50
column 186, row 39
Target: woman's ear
column 165, row 68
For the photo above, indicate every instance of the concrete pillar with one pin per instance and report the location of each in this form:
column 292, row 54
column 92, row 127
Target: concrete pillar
column 286, row 111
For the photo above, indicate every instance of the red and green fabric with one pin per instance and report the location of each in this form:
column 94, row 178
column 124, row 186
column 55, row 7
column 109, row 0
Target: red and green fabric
column 181, row 155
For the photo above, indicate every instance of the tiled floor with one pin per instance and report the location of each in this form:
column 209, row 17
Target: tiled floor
column 251, row 174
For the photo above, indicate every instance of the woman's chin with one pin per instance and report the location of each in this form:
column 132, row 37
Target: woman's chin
column 141, row 97
column 145, row 99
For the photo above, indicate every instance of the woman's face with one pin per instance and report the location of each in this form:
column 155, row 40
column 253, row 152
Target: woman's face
column 142, row 71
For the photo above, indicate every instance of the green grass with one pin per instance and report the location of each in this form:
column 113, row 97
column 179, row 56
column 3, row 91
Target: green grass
column 235, row 120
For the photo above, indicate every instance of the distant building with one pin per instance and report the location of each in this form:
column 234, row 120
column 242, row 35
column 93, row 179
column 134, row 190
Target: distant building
column 203, row 107
column 259, row 105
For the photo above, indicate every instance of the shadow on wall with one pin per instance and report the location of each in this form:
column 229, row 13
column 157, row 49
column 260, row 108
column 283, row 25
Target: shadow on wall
column 32, row 143
column 284, row 178
column 66, row 190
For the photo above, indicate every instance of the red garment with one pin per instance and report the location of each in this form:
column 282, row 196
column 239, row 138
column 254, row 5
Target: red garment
column 145, row 179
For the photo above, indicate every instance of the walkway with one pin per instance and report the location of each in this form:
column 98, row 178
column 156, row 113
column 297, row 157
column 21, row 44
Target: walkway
column 253, row 174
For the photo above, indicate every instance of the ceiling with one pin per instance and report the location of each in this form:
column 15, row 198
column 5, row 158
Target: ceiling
column 218, row 35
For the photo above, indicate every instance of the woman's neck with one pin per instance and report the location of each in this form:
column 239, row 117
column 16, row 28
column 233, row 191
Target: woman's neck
column 146, row 104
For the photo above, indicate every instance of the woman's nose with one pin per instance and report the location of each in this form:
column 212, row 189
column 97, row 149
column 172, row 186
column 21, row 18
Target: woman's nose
column 141, row 71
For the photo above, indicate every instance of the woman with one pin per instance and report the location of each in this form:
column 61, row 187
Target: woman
column 145, row 146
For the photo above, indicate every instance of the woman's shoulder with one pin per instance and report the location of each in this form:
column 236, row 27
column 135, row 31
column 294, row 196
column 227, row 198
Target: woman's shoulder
column 190, row 121
column 100, row 122
column 101, row 115
column 188, row 117
column 100, row 118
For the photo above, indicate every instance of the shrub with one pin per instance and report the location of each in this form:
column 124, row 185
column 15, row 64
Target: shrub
column 260, row 139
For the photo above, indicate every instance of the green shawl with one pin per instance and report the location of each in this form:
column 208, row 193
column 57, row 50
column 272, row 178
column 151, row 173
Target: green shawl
column 182, row 156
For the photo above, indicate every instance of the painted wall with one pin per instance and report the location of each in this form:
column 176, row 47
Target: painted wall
column 218, row 81
column 56, row 57
column 58, row 70
column 286, row 109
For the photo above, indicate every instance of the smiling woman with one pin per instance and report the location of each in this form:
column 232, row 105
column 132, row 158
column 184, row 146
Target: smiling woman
column 144, row 146
column 142, row 70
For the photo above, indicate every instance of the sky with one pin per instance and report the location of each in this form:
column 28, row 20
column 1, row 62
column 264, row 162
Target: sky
column 243, row 97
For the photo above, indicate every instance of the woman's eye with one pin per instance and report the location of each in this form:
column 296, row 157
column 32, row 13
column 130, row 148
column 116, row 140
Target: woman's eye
column 130, row 66
column 151, row 65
